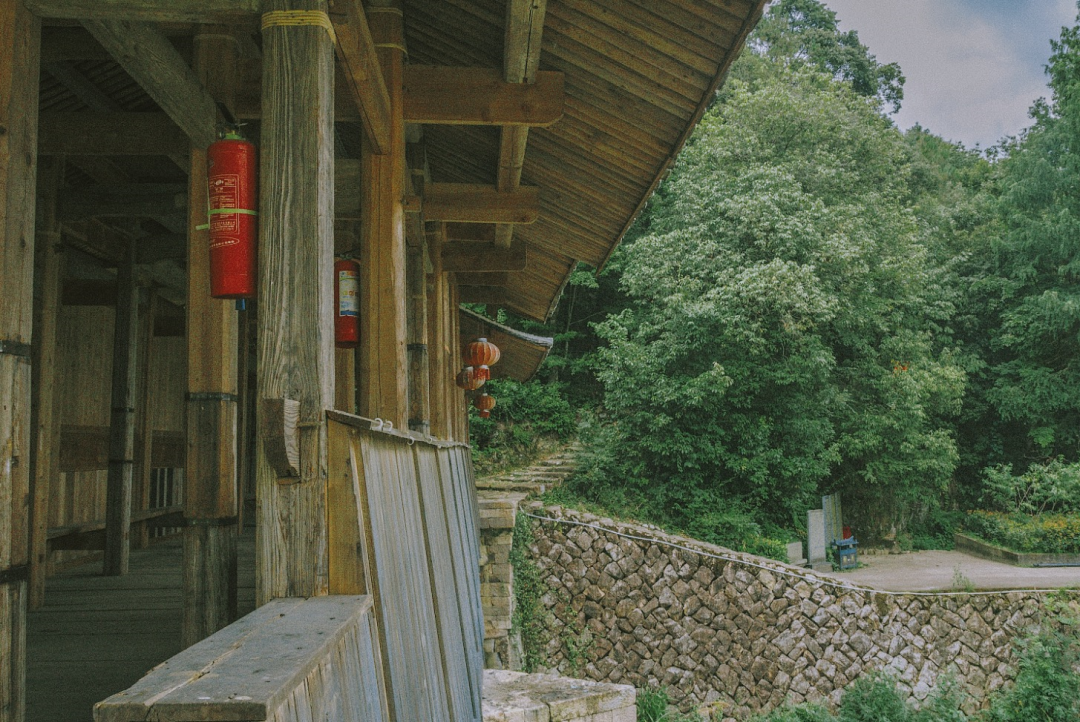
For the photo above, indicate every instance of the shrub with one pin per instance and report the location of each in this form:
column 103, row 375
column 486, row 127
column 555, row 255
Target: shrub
column 525, row 416
column 1050, row 487
column 1046, row 534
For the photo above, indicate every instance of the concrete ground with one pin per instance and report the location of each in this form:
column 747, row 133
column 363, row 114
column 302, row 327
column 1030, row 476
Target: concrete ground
column 936, row 571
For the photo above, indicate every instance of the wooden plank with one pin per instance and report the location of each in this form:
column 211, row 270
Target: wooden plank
column 154, row 63
column 176, row 11
column 344, row 524
column 88, row 133
column 295, row 334
column 359, row 63
column 475, row 203
column 480, row 96
column 381, row 356
column 122, row 420
column 476, row 257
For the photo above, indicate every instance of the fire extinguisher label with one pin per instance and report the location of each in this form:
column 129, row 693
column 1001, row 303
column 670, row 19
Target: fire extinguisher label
column 348, row 294
column 224, row 193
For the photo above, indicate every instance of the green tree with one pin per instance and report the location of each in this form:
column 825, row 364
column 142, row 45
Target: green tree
column 806, row 31
column 779, row 337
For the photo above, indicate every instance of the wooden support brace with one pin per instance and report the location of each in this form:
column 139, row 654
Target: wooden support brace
column 473, row 203
column 154, row 63
column 359, row 63
column 480, row 96
column 278, row 420
column 480, row 257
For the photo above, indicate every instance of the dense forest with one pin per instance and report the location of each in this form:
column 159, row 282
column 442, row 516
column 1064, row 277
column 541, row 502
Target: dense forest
column 816, row 302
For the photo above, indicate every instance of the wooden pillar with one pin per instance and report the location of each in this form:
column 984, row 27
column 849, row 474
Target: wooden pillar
column 46, row 427
column 144, row 435
column 441, row 373
column 210, row 491
column 122, row 418
column 458, row 419
column 382, row 358
column 295, row 320
column 419, row 374
column 20, row 41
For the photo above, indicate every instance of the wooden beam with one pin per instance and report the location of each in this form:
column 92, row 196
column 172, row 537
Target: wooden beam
column 472, row 203
column 20, row 36
column 480, row 257
column 359, row 63
column 174, row 11
column 78, row 85
column 141, row 200
column 480, row 96
column 295, row 332
column 154, row 63
column 494, row 278
column 110, row 134
column 482, row 294
column 470, row 232
column 210, row 475
column 69, row 44
column 381, row 356
column 144, row 437
column 521, row 62
column 122, row 424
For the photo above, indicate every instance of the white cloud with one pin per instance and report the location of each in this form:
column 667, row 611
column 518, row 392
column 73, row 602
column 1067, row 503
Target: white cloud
column 973, row 68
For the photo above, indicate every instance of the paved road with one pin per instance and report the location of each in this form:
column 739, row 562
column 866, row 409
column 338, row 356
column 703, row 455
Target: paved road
column 936, row 570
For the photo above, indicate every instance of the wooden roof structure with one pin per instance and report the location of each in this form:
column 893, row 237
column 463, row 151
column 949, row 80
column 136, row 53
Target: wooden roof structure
column 636, row 76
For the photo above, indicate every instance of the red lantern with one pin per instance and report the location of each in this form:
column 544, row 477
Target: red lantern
column 481, row 354
column 232, row 196
column 347, row 298
column 468, row 380
column 485, row 403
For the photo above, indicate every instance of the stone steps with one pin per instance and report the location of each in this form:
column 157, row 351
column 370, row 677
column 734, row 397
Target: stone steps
column 537, row 479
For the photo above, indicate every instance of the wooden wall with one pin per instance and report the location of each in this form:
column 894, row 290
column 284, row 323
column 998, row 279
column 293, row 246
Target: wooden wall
column 85, row 353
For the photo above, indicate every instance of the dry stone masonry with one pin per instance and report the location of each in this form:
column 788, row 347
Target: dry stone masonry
column 741, row 634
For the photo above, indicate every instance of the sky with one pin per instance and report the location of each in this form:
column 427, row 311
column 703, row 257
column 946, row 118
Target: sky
column 973, row 67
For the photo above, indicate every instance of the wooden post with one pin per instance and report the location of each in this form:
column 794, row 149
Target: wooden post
column 419, row 378
column 144, row 435
column 20, row 42
column 46, row 428
column 459, row 424
column 382, row 358
column 441, row 373
column 295, row 333
column 122, row 419
column 210, row 492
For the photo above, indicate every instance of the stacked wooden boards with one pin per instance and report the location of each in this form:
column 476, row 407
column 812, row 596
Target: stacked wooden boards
column 413, row 543
column 291, row 660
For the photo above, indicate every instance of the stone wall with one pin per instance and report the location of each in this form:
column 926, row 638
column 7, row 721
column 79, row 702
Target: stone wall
column 742, row 634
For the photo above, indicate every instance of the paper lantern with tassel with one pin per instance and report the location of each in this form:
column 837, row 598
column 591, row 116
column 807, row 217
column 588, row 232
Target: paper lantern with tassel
column 480, row 354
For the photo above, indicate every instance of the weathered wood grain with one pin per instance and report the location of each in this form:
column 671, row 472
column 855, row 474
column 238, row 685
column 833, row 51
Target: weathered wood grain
column 295, row 334
column 381, row 356
column 359, row 63
column 417, row 317
column 177, row 11
column 478, row 203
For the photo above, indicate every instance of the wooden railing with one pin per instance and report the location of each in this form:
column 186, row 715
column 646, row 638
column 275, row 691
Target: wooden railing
column 292, row 660
column 400, row 639
column 413, row 543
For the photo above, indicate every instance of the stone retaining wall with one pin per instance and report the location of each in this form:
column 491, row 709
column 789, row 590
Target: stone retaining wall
column 743, row 634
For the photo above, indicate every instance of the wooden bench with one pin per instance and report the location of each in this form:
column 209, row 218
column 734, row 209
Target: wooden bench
column 290, row 660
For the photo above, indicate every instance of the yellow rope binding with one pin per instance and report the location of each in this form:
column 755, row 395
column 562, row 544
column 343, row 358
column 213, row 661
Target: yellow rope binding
column 294, row 18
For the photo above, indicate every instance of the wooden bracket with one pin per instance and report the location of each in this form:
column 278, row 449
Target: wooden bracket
column 281, row 440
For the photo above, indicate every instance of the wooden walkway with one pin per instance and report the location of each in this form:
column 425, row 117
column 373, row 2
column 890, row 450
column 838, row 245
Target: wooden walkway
column 98, row 635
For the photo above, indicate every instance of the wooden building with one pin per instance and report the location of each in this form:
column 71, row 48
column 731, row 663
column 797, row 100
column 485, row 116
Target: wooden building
column 459, row 150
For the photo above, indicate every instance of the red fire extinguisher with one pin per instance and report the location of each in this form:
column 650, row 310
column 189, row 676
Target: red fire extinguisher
column 233, row 217
column 347, row 297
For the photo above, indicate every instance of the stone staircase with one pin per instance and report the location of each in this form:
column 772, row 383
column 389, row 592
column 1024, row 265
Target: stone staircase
column 537, row 479
column 499, row 497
